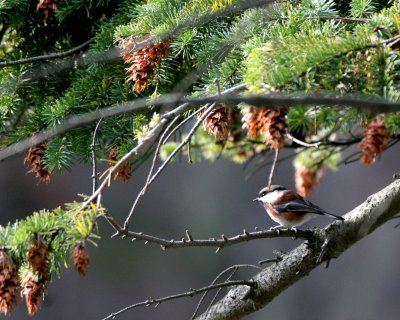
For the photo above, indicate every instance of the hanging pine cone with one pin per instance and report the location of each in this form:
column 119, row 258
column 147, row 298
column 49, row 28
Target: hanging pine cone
column 274, row 127
column 143, row 62
column 125, row 171
column 374, row 141
column 217, row 122
column 305, row 179
column 47, row 7
column 38, row 257
column 9, row 282
column 34, row 158
column 80, row 258
column 33, row 291
column 268, row 122
column 251, row 122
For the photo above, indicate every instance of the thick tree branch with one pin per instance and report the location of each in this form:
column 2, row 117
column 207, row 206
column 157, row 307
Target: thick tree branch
column 228, row 96
column 295, row 265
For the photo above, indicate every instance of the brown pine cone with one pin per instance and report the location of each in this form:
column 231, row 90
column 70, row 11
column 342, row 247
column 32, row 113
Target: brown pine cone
column 80, row 258
column 143, row 62
column 268, row 122
column 9, row 282
column 34, row 158
column 274, row 127
column 374, row 141
column 217, row 122
column 38, row 257
column 47, row 7
column 306, row 179
column 33, row 292
column 124, row 173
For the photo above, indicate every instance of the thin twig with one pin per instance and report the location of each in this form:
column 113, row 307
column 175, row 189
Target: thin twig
column 271, row 174
column 52, row 56
column 190, row 293
column 157, row 151
column 166, row 161
column 302, row 143
column 94, row 161
column 235, row 267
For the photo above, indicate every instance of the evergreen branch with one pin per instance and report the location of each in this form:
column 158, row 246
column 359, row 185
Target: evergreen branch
column 190, row 293
column 51, row 56
column 295, row 265
column 277, row 101
column 218, row 243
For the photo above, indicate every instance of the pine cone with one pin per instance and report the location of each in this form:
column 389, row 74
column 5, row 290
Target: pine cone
column 125, row 171
column 268, row 122
column 251, row 122
column 306, row 179
column 217, row 122
column 143, row 62
column 47, row 7
column 34, row 158
column 374, row 141
column 80, row 258
column 38, row 257
column 33, row 292
column 274, row 127
column 9, row 282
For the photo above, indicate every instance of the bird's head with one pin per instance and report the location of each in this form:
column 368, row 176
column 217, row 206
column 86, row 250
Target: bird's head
column 269, row 194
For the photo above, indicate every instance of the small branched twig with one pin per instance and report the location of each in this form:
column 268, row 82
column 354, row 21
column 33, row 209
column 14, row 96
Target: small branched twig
column 173, row 153
column 190, row 293
column 52, row 56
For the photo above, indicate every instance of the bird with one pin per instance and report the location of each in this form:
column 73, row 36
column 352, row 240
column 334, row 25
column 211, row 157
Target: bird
column 288, row 208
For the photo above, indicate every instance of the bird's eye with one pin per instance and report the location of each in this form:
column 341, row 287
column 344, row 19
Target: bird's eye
column 263, row 193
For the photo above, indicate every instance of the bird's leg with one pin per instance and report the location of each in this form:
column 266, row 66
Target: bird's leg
column 277, row 229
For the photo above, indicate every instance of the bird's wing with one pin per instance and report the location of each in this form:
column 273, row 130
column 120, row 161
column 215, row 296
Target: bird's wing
column 299, row 206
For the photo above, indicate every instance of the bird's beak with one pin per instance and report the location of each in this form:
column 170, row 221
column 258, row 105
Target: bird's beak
column 256, row 200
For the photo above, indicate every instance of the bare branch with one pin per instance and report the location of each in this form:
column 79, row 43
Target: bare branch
column 52, row 56
column 190, row 293
column 233, row 268
column 163, row 165
column 94, row 162
column 218, row 243
column 329, row 243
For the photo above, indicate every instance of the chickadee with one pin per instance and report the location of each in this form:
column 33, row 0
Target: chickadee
column 288, row 208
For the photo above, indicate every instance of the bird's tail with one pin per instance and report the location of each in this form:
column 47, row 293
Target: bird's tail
column 333, row 216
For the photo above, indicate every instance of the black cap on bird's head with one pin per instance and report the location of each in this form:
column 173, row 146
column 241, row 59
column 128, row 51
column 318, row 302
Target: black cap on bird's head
column 266, row 190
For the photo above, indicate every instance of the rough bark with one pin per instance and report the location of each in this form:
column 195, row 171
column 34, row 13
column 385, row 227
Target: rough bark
column 329, row 243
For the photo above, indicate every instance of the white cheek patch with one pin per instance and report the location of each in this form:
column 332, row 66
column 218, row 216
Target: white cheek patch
column 272, row 196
